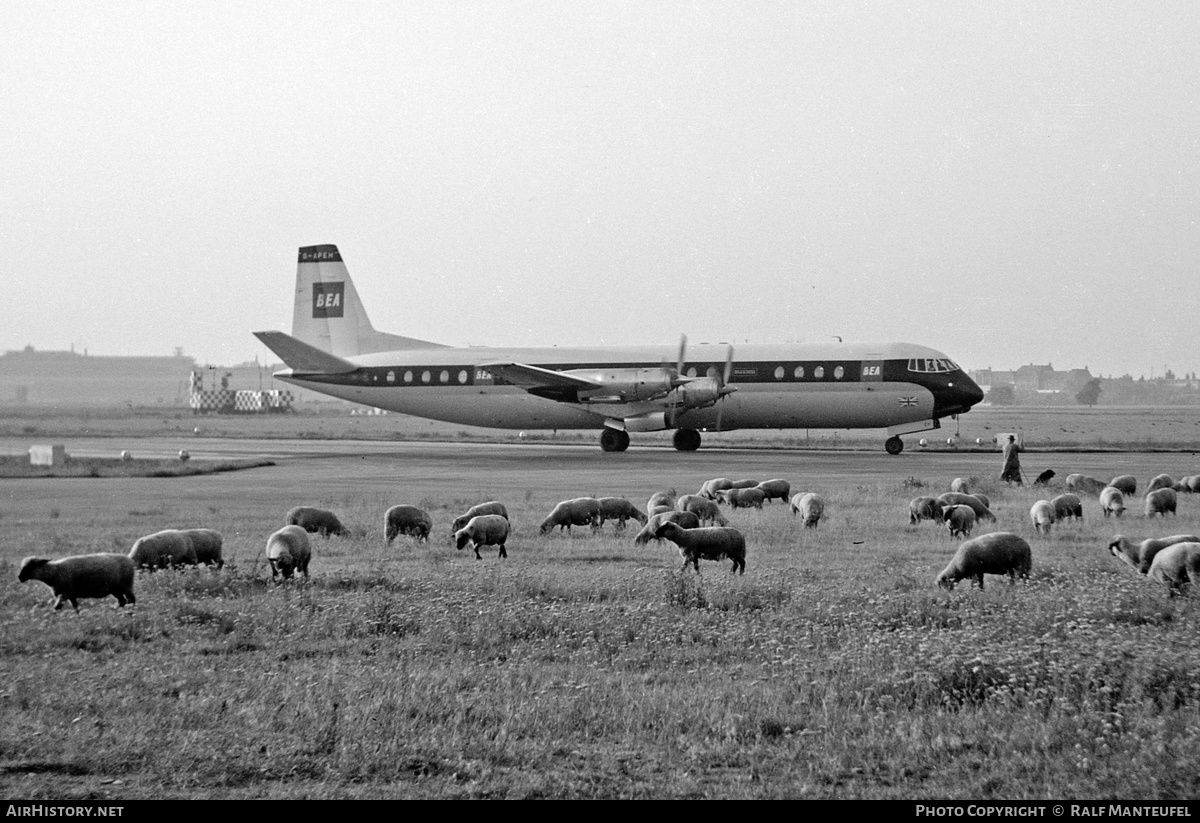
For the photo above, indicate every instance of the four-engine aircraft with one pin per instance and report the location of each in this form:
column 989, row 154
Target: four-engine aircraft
column 334, row 349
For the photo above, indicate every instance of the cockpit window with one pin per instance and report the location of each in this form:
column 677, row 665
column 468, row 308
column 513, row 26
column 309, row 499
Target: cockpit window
column 932, row 365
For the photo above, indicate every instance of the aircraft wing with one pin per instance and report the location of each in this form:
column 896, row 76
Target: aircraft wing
column 533, row 377
column 301, row 357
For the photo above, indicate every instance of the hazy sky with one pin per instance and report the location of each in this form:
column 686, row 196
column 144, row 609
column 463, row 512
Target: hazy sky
column 1007, row 182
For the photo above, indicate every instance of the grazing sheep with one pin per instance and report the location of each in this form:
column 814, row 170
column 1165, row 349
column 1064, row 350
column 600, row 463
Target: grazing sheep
column 1127, row 483
column 711, row 488
column 84, row 575
column 983, row 498
column 484, row 530
column 982, row 512
column 659, row 499
column 408, row 520
column 779, row 490
column 810, row 506
column 1189, row 484
column 703, row 508
column 1041, row 514
column 619, row 509
column 1176, row 566
column 289, row 551
column 751, row 498
column 1141, row 555
column 924, row 508
column 1160, row 501
column 995, row 553
column 316, row 521
column 207, row 544
column 1161, row 481
column 1083, row 483
column 960, row 485
column 1044, row 478
column 490, row 507
column 1112, row 501
column 1067, row 505
column 163, row 550
column 960, row 520
column 712, row 543
column 581, row 511
column 685, row 520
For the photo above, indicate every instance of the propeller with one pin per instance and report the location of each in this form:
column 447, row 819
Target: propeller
column 723, row 388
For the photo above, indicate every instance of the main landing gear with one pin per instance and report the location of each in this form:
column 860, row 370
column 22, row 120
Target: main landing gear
column 894, row 445
column 687, row 440
column 614, row 440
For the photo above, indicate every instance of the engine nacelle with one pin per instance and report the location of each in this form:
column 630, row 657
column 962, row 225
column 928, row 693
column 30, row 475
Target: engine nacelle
column 697, row 394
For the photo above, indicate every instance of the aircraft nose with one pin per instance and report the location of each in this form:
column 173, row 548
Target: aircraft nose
column 971, row 392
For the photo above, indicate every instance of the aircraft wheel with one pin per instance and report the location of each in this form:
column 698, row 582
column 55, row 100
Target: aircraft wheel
column 687, row 440
column 894, row 445
column 614, row 440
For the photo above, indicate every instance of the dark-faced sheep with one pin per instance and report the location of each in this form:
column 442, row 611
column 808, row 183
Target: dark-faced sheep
column 685, row 520
column 810, row 507
column 83, row 576
column 1112, row 501
column 1067, row 506
column 981, row 509
column 619, row 509
column 751, row 498
column 1141, row 555
column 407, row 520
column 1176, row 566
column 924, row 508
column 710, row 543
column 289, row 551
column 316, row 521
column 775, row 489
column 959, row 520
column 484, row 530
column 479, row 509
column 165, row 549
column 1160, row 501
column 1041, row 514
column 995, row 553
column 581, row 511
column 1127, row 483
column 705, row 509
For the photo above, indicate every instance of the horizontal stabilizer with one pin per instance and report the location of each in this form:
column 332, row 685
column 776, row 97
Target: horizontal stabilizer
column 533, row 377
column 301, row 357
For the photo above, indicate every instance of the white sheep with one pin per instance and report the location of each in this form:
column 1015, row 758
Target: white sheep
column 490, row 507
column 1189, row 484
column 743, row 484
column 1041, row 514
column 686, row 520
column 924, row 508
column 1066, row 506
column 409, row 520
column 961, row 485
column 1112, row 501
column 1176, row 566
column 1083, row 483
column 207, row 544
column 1142, row 555
column 581, row 511
column 1161, row 481
column 619, row 509
column 484, row 530
column 711, row 543
column 316, row 521
column 981, row 509
column 289, row 551
column 749, row 498
column 702, row 507
column 959, row 520
column 85, row 575
column 710, row 488
column 1160, row 501
column 659, row 500
column 995, row 553
column 810, row 506
column 776, row 489
column 163, row 550
column 1127, row 483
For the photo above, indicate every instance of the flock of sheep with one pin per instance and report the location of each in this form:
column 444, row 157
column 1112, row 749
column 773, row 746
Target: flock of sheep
column 1171, row 561
column 693, row 522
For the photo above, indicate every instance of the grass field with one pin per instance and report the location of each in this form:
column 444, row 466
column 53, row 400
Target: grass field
column 586, row 666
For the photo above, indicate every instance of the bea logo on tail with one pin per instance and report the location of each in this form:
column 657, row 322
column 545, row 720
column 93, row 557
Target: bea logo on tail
column 327, row 299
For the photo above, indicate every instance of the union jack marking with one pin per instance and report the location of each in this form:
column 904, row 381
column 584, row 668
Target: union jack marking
column 908, row 401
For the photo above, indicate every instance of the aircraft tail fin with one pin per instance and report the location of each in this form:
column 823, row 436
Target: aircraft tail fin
column 328, row 314
column 301, row 357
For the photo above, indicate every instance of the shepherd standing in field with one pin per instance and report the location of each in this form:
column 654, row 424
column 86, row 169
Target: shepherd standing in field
column 1012, row 463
